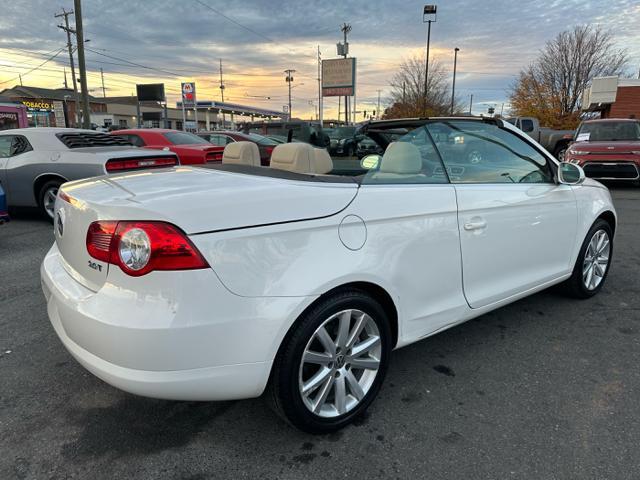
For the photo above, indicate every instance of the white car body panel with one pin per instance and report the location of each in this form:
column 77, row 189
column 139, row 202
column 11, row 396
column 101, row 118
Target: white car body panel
column 275, row 246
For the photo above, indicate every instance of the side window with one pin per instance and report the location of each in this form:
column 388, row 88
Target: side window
column 228, row 140
column 20, row 145
column 409, row 160
column 527, row 125
column 136, row 140
column 479, row 152
column 5, row 145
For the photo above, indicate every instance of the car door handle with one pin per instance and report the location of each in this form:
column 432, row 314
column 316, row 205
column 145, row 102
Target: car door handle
column 477, row 225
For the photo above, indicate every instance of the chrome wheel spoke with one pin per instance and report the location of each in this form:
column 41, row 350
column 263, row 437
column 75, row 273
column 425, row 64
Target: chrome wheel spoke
column 340, row 395
column 323, row 394
column 343, row 329
column 365, row 346
column 325, row 339
column 354, row 386
column 317, row 358
column 364, row 363
column 314, row 382
column 357, row 330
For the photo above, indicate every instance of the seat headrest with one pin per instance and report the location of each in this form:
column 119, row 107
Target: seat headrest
column 241, row 153
column 401, row 157
column 301, row 158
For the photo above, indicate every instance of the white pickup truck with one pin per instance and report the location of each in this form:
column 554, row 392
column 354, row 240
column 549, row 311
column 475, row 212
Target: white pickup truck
column 555, row 141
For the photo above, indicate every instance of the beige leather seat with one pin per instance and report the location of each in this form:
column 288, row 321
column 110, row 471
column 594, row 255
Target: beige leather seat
column 241, row 153
column 400, row 160
column 301, row 158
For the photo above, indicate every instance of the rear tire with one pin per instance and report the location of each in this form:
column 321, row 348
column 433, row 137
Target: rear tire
column 590, row 270
column 47, row 198
column 328, row 390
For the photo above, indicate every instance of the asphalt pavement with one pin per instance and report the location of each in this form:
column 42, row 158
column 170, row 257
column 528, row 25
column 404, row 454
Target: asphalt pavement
column 546, row 388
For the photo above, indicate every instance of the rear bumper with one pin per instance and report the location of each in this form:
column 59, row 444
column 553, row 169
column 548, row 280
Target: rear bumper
column 186, row 338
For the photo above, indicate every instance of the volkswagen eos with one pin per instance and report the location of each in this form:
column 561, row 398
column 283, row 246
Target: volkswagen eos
column 219, row 283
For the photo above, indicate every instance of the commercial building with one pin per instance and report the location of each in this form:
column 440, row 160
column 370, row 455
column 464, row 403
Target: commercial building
column 56, row 107
column 613, row 97
column 49, row 107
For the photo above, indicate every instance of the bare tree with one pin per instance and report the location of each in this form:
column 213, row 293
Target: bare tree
column 408, row 95
column 551, row 87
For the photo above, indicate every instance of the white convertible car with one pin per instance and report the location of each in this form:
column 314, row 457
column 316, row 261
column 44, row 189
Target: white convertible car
column 216, row 284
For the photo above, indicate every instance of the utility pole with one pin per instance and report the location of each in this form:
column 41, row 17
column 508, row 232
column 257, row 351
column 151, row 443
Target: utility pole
column 453, row 87
column 224, row 121
column 429, row 10
column 66, row 85
column 69, row 31
column 378, row 110
column 346, row 28
column 470, row 104
column 320, row 102
column 104, row 92
column 404, row 93
column 86, row 117
column 20, row 76
column 289, row 79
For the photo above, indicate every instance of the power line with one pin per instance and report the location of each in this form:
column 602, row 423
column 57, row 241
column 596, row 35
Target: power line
column 35, row 68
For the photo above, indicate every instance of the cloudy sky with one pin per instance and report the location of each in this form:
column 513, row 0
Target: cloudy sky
column 174, row 41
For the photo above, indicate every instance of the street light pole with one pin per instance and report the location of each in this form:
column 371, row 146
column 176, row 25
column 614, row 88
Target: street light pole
column 427, row 14
column 453, row 87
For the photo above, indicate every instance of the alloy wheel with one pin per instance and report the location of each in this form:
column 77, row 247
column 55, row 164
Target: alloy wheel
column 49, row 200
column 596, row 260
column 340, row 363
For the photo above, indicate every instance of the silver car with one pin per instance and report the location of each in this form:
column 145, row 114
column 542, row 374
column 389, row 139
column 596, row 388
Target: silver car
column 34, row 162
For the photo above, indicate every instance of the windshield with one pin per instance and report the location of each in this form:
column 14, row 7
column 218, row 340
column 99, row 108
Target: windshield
column 260, row 140
column 608, row 131
column 342, row 132
column 184, row 138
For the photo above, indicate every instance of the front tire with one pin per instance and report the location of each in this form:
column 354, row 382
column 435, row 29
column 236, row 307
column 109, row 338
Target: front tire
column 593, row 262
column 47, row 198
column 331, row 365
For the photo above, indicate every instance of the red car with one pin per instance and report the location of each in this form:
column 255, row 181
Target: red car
column 225, row 137
column 607, row 149
column 190, row 148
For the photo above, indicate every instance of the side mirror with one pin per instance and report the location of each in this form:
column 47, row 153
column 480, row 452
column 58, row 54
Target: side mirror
column 570, row 174
column 371, row 162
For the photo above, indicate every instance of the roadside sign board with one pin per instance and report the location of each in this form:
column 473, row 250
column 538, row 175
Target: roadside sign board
column 189, row 94
column 338, row 77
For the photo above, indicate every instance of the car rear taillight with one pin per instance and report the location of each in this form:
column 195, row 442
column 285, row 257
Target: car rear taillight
column 118, row 165
column 269, row 150
column 142, row 247
column 214, row 157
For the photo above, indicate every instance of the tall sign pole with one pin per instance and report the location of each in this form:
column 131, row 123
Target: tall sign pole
column 289, row 80
column 86, row 112
column 428, row 16
column 346, row 28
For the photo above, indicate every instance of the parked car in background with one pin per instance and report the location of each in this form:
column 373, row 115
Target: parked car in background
column 366, row 146
column 343, row 141
column 608, row 149
column 280, row 139
column 225, row 137
column 307, row 132
column 305, row 281
column 34, row 162
column 4, row 211
column 191, row 149
column 555, row 141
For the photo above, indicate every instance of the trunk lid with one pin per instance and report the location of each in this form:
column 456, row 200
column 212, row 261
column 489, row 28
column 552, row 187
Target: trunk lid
column 194, row 199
